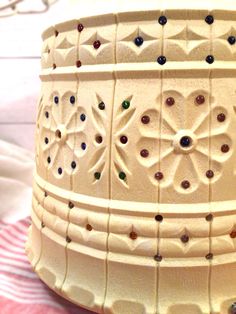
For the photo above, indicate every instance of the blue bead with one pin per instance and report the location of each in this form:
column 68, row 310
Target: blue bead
column 138, row 41
column 83, row 146
column 162, row 20
column 185, row 141
column 210, row 59
column 72, row 100
column 231, row 40
column 82, row 117
column 56, row 99
column 161, row 60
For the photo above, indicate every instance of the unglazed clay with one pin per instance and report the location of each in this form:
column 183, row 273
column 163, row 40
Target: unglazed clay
column 134, row 207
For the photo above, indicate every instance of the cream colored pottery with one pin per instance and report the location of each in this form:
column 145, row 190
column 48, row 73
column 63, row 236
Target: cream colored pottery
column 134, row 196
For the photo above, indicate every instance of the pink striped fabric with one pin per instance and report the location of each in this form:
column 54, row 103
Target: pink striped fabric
column 21, row 291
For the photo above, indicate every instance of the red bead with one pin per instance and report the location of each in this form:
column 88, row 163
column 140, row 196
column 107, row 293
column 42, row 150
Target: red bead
column 185, row 184
column 78, row 64
column 200, row 99
column 80, row 27
column 123, row 139
column 159, row 175
column 210, row 174
column 221, row 117
column 99, row 139
column 145, row 119
column 170, row 101
column 144, row 153
column 89, row 227
column 97, row 44
column 233, row 234
column 225, row 148
column 133, row 235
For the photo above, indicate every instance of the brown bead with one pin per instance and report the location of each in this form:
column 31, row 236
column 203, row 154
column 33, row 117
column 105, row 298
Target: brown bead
column 209, row 217
column 210, row 174
column 99, row 139
column 71, row 205
column 145, row 119
column 54, row 66
column 49, row 50
column 56, row 33
column 97, row 44
column 221, row 117
column 200, row 99
column 133, row 235
column 170, row 101
column 184, row 238
column 80, row 27
column 209, row 256
column 78, row 63
column 42, row 225
column 159, row 218
column 159, row 175
column 89, row 227
column 144, row 153
column 158, row 257
column 123, row 139
column 233, row 234
column 68, row 239
column 225, row 148
column 45, row 194
column 185, row 184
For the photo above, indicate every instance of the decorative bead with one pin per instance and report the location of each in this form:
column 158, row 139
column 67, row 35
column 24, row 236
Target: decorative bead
column 133, row 235
column 125, row 104
column 68, row 239
column 96, row 44
column 123, row 139
column 200, row 99
column 185, row 141
column 83, row 146
column 144, row 153
column 47, row 114
column 184, row 238
column 209, row 217
column 138, row 41
column 162, row 20
column 158, row 175
column 221, row 117
column 56, row 99
column 46, row 140
column 72, row 100
column 80, row 27
column 210, row 59
column 232, row 40
column 42, row 225
column 209, row 256
column 225, row 148
column 159, row 218
column 97, row 175
column 209, row 19
column 99, row 139
column 122, row 175
column 170, row 101
column 158, row 258
column 145, row 119
column 59, row 170
column 73, row 165
column 49, row 160
column 78, row 63
column 49, row 51
column 89, row 227
column 82, row 117
column 56, row 33
column 185, row 184
column 54, row 66
column 233, row 234
column 232, row 308
column 45, row 193
column 71, row 205
column 101, row 106
column 210, row 174
column 161, row 60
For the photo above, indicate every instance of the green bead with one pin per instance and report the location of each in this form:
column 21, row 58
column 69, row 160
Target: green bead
column 125, row 104
column 97, row 175
column 122, row 175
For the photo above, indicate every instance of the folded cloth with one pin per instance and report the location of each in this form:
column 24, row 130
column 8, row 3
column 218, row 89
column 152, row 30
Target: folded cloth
column 21, row 291
column 16, row 172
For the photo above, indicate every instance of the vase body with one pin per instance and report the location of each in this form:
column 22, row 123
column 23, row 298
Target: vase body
column 134, row 206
